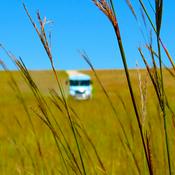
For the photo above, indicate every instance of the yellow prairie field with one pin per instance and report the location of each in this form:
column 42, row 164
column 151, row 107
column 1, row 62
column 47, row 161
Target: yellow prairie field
column 38, row 139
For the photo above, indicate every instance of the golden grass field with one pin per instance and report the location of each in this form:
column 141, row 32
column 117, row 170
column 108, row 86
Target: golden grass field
column 18, row 151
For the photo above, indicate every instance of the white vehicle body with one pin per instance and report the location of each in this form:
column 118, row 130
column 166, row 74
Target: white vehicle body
column 80, row 86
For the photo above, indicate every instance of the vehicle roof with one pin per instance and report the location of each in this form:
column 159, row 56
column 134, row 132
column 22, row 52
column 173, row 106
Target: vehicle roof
column 79, row 77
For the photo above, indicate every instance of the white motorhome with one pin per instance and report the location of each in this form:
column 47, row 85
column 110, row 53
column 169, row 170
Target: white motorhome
column 80, row 86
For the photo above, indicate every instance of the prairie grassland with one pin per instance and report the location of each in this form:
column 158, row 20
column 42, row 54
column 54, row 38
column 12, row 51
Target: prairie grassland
column 20, row 155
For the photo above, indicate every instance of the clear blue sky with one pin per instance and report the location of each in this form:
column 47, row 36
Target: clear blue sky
column 78, row 25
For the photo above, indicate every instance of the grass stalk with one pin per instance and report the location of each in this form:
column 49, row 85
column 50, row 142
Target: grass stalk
column 159, row 9
column 110, row 13
column 54, row 99
column 86, row 58
column 163, row 104
column 21, row 99
column 158, row 15
column 44, row 41
column 154, row 28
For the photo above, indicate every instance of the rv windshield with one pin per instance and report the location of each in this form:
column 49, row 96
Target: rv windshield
column 80, row 82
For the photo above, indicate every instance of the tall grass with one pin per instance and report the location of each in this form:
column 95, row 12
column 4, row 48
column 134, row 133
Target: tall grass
column 74, row 149
column 107, row 7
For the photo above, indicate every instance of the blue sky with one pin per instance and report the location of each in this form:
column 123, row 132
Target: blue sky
column 78, row 25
